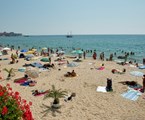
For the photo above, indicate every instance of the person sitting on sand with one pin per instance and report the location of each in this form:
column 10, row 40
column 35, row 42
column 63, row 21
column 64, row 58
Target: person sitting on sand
column 109, row 85
column 101, row 68
column 48, row 65
column 70, row 74
column 73, row 74
column 118, row 71
column 68, row 98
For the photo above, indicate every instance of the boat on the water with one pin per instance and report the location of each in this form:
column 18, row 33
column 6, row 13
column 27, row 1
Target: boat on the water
column 69, row 35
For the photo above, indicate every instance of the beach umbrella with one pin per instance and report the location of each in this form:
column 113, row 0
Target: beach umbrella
column 1, row 53
column 30, row 52
column 24, row 50
column 44, row 48
column 32, row 73
column 137, row 73
column 6, row 48
column 61, row 52
column 34, row 49
column 44, row 60
column 77, row 52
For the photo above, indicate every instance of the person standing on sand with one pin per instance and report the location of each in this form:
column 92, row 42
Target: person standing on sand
column 143, row 82
column 49, row 59
column 94, row 55
column 84, row 54
column 17, row 53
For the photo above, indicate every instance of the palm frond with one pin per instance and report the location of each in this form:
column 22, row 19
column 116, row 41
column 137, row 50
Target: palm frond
column 53, row 87
column 5, row 69
column 11, row 70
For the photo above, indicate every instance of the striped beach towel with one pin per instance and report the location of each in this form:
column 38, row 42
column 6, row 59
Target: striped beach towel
column 131, row 94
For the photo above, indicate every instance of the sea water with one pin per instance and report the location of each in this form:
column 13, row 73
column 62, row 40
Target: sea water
column 101, row 43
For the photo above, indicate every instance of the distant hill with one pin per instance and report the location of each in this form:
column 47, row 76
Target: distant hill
column 10, row 34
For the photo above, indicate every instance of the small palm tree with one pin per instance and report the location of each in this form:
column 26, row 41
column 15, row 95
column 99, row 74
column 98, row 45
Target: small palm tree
column 10, row 73
column 56, row 94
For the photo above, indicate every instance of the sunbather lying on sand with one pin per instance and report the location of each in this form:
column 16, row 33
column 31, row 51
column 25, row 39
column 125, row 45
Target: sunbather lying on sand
column 70, row 74
column 118, row 71
column 37, row 93
column 29, row 83
column 132, row 83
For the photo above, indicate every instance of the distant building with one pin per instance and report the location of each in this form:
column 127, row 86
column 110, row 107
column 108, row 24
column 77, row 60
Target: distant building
column 10, row 34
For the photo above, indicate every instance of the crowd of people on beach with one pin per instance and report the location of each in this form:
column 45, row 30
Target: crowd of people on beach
column 47, row 52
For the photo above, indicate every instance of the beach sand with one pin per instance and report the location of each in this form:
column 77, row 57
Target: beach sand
column 88, row 104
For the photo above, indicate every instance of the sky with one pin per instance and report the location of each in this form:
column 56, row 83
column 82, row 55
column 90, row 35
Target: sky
column 58, row 17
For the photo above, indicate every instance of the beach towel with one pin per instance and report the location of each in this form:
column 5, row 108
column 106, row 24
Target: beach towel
column 22, row 69
column 43, row 69
column 21, row 80
column 101, row 89
column 131, row 94
column 142, row 67
column 27, row 83
column 100, row 68
column 38, row 65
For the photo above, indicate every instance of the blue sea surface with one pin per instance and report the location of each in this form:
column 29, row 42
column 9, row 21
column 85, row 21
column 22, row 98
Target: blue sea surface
column 101, row 43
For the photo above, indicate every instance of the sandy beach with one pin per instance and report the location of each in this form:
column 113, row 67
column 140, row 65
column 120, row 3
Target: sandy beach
column 88, row 104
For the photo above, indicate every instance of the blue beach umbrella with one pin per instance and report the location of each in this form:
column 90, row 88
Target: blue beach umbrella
column 24, row 50
column 77, row 52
